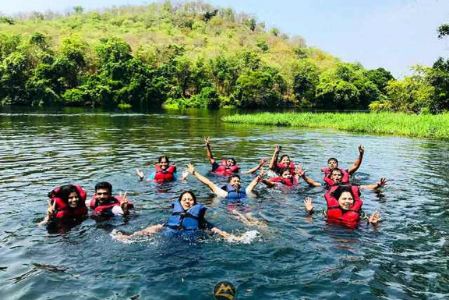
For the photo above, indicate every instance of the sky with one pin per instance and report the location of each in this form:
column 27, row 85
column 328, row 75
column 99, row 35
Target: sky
column 393, row 34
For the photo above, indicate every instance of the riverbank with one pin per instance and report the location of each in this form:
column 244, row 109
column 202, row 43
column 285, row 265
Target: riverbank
column 420, row 126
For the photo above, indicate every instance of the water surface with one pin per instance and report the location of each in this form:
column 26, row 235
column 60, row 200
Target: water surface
column 296, row 258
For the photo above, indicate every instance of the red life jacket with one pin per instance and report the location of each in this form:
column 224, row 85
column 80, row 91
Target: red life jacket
column 224, row 170
column 114, row 201
column 165, row 175
column 287, row 182
column 291, row 166
column 63, row 210
column 337, row 214
column 329, row 181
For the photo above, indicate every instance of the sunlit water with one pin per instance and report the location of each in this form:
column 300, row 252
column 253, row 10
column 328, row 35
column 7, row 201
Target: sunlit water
column 295, row 257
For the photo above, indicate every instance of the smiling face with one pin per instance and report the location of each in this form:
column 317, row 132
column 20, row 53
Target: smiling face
column 235, row 182
column 346, row 200
column 332, row 164
column 187, row 201
column 102, row 195
column 73, row 200
column 285, row 160
column 163, row 163
column 336, row 175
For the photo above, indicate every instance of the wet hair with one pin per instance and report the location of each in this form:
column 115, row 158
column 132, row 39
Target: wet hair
column 233, row 176
column 191, row 194
column 341, row 189
column 285, row 155
column 163, row 157
column 103, row 185
column 65, row 191
column 332, row 158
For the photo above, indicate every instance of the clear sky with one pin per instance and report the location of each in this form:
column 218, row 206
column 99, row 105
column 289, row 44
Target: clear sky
column 394, row 34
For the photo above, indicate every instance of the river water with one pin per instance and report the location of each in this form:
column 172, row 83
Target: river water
column 295, row 257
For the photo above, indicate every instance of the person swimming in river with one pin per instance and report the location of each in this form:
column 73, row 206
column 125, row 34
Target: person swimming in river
column 188, row 217
column 278, row 165
column 287, row 178
column 332, row 163
column 233, row 190
column 106, row 205
column 227, row 166
column 164, row 172
column 66, row 205
column 335, row 178
column 344, row 207
column 233, row 193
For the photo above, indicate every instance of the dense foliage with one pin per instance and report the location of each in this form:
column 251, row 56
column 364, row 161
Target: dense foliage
column 191, row 55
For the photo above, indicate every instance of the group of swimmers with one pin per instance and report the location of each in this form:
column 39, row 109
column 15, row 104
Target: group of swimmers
column 68, row 203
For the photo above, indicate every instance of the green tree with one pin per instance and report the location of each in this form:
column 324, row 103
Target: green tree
column 306, row 79
column 380, row 78
column 413, row 94
column 14, row 71
column 345, row 87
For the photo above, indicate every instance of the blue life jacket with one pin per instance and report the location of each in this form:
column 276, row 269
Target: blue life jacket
column 186, row 220
column 232, row 192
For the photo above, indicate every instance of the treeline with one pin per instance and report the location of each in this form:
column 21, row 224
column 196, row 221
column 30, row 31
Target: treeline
column 191, row 55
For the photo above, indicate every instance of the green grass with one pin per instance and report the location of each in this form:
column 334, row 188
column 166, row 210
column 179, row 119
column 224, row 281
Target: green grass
column 419, row 126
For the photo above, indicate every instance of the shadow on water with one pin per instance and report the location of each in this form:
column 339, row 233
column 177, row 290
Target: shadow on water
column 296, row 257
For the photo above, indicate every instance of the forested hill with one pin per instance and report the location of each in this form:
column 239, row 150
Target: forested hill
column 190, row 54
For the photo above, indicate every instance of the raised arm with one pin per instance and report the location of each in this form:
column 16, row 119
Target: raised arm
column 274, row 158
column 252, row 185
column 357, row 162
column 214, row 188
column 210, row 157
column 260, row 165
column 380, row 184
column 301, row 173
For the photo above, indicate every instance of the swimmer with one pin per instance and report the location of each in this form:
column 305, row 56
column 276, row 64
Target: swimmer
column 335, row 178
column 66, row 204
column 286, row 178
column 187, row 216
column 344, row 207
column 234, row 188
column 163, row 173
column 227, row 166
column 284, row 162
column 332, row 163
column 104, row 204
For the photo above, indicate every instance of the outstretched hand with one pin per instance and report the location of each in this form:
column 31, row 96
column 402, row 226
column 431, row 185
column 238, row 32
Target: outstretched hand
column 375, row 218
column 361, row 150
column 382, row 182
column 277, row 148
column 207, row 141
column 300, row 171
column 139, row 173
column 309, row 205
column 190, row 168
